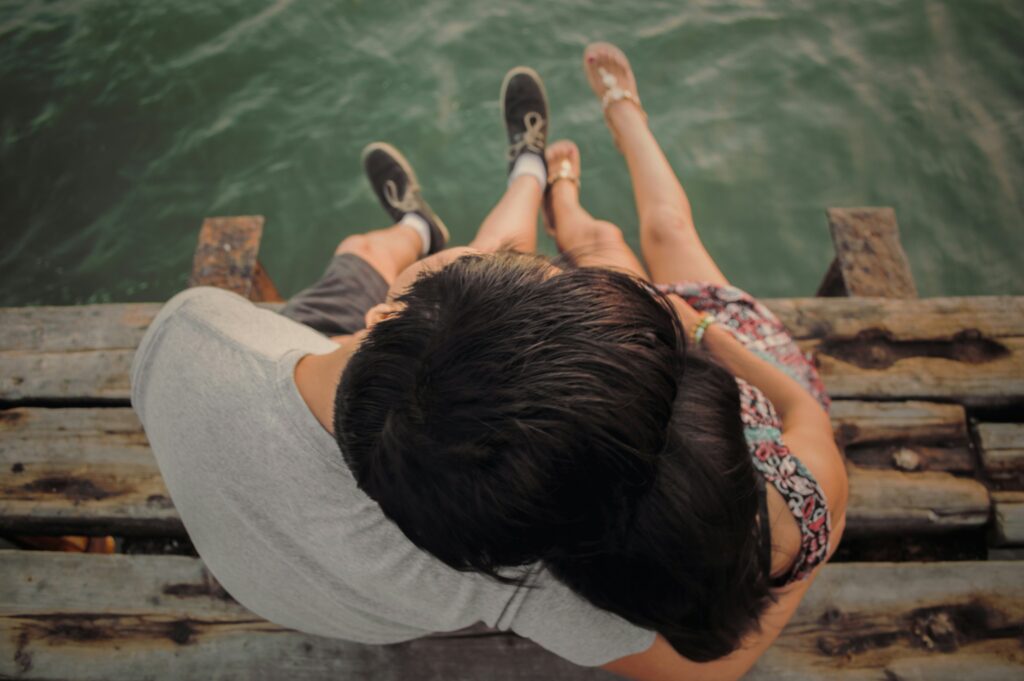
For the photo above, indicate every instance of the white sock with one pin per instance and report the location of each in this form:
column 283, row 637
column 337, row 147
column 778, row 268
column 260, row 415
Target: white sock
column 530, row 164
column 422, row 228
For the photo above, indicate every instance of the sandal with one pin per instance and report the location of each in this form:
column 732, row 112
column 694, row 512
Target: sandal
column 559, row 170
column 606, row 85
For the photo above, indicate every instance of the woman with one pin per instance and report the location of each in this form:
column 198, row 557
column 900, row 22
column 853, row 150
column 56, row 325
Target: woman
column 782, row 406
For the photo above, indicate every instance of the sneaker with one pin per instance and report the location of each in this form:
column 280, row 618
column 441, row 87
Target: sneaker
column 398, row 190
column 525, row 106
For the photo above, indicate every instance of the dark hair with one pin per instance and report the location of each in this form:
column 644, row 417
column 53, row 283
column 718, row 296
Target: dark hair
column 688, row 563
column 509, row 415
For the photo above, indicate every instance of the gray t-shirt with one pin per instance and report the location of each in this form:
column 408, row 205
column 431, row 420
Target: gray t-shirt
column 277, row 516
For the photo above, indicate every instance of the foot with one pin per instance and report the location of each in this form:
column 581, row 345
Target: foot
column 612, row 80
column 396, row 186
column 563, row 159
column 524, row 104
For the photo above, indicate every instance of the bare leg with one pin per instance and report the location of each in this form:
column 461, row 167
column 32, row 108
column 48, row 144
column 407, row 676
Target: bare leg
column 591, row 242
column 388, row 250
column 668, row 237
column 512, row 223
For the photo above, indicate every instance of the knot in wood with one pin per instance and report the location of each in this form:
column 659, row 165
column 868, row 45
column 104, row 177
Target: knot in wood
column 906, row 459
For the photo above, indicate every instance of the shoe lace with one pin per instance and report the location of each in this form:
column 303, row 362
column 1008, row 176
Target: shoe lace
column 532, row 138
column 406, row 203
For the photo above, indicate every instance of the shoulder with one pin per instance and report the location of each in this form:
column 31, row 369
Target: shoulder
column 563, row 622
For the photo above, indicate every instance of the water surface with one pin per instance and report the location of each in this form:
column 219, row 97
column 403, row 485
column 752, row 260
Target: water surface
column 124, row 124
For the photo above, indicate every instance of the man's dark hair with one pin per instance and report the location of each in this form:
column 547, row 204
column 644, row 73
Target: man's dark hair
column 510, row 414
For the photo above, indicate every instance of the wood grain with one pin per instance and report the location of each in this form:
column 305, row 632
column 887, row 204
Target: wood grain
column 166, row 618
column 870, row 260
column 90, row 471
column 1001, row 446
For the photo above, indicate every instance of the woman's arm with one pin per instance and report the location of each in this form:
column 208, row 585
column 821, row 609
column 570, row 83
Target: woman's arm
column 793, row 403
column 806, row 427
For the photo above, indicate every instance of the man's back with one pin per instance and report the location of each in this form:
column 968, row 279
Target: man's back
column 277, row 516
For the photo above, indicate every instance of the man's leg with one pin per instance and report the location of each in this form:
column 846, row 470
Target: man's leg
column 389, row 250
column 512, row 223
column 356, row 279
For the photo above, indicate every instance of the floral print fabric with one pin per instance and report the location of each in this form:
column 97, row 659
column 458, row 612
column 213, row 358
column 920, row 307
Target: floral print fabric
column 762, row 333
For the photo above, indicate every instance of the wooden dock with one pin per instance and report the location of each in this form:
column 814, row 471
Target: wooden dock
column 929, row 410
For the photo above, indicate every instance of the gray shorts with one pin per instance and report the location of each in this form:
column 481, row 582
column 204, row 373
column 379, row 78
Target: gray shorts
column 337, row 304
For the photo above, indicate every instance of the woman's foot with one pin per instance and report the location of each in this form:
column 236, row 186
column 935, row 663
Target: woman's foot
column 612, row 80
column 563, row 159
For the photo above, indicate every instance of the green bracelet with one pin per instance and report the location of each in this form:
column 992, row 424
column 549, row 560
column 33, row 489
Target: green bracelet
column 702, row 326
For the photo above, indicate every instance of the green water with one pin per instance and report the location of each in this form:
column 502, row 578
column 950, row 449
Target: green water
column 123, row 124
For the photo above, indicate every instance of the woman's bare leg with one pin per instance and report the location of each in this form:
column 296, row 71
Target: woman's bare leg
column 590, row 242
column 512, row 223
column 389, row 250
column 668, row 238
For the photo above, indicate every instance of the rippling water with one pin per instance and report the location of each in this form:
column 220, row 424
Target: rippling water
column 124, row 124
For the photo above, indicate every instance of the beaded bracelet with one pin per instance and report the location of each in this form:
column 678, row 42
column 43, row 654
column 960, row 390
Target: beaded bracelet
column 706, row 320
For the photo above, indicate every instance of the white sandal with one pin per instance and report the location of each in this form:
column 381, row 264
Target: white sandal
column 614, row 93
column 564, row 172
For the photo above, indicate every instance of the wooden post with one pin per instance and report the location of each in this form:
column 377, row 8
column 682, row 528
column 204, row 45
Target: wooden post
column 869, row 258
column 226, row 257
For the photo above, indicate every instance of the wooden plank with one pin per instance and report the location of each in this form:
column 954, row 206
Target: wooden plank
column 908, row 436
column 226, row 253
column 165, row 617
column 857, row 372
column 870, row 260
column 121, row 325
column 1008, row 528
column 966, row 349
column 892, row 502
column 929, row 318
column 1001, row 446
column 858, row 422
column 913, row 457
column 91, row 471
column 87, row 471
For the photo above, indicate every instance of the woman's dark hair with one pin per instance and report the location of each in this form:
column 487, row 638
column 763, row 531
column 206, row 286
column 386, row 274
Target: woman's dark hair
column 510, row 414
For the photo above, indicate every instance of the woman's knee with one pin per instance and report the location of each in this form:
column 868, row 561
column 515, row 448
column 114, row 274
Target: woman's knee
column 665, row 225
column 601, row 233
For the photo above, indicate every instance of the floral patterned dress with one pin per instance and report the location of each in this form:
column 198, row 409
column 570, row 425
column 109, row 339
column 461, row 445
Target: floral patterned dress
column 762, row 333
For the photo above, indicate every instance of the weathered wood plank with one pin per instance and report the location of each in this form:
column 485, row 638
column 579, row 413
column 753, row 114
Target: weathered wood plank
column 1001, row 446
column 226, row 253
column 857, row 422
column 913, row 457
column 165, row 617
column 86, row 471
column 908, row 436
column 946, row 349
column 1008, row 528
column 870, row 260
column 91, row 471
column 895, row 502
column 121, row 325
column 857, row 371
column 927, row 318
